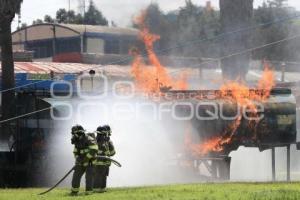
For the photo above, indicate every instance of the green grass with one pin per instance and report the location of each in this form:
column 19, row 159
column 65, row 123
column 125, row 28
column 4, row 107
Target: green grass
column 230, row 191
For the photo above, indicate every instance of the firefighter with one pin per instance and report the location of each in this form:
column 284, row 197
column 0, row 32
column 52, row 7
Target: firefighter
column 85, row 152
column 106, row 148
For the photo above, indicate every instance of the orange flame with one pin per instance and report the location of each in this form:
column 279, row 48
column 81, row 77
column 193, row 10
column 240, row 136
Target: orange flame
column 215, row 144
column 243, row 96
column 151, row 79
column 267, row 81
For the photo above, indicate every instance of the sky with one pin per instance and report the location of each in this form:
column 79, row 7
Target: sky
column 119, row 11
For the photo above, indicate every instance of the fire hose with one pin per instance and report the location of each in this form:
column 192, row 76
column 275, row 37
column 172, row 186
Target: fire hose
column 73, row 168
column 110, row 159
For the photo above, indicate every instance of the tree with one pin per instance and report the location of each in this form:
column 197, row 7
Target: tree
column 68, row 17
column 62, row 16
column 181, row 27
column 197, row 23
column 78, row 19
column 157, row 23
column 235, row 15
column 23, row 25
column 269, row 12
column 8, row 9
column 73, row 18
column 48, row 19
column 277, row 3
column 94, row 17
column 38, row 21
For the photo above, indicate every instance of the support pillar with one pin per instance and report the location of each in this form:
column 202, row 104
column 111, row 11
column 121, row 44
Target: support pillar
column 288, row 164
column 54, row 41
column 273, row 165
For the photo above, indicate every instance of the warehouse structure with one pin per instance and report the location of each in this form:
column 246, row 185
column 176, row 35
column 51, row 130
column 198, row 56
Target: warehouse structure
column 48, row 40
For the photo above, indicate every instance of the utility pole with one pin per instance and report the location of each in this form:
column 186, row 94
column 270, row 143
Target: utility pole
column 19, row 20
column 84, row 20
column 20, row 34
column 273, row 164
column 54, row 40
column 69, row 10
column 288, row 165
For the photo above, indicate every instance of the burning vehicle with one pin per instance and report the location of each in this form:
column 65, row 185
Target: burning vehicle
column 216, row 125
column 217, row 122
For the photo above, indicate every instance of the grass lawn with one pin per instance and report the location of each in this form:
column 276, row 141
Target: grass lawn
column 232, row 191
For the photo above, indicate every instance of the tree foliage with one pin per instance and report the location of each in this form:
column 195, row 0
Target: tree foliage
column 62, row 15
column 179, row 27
column 277, row 3
column 191, row 28
column 38, row 21
column 196, row 23
column 158, row 24
column 8, row 8
column 48, row 19
column 93, row 16
column 272, row 11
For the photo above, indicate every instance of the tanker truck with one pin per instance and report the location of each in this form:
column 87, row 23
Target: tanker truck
column 214, row 125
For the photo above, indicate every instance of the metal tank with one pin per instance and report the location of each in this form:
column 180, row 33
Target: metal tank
column 276, row 126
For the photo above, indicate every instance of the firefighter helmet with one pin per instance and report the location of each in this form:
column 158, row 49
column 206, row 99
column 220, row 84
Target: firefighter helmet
column 77, row 134
column 107, row 129
column 77, row 128
column 100, row 129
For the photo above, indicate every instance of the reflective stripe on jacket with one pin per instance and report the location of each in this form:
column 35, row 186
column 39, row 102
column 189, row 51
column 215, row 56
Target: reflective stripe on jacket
column 105, row 149
column 87, row 153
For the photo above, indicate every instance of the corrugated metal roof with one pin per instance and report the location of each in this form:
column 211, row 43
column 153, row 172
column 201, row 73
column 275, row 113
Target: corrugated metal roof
column 102, row 29
column 80, row 29
column 69, row 68
column 47, row 67
column 124, row 71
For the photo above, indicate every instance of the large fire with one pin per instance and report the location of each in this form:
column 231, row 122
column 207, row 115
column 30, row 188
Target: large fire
column 153, row 77
column 215, row 144
column 243, row 96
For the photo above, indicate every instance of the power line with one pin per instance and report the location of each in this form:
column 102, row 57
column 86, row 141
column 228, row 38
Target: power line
column 69, row 10
column 24, row 115
column 25, row 85
column 243, row 52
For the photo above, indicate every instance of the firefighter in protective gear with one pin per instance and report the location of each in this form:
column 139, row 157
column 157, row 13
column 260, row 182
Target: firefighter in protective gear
column 106, row 148
column 85, row 152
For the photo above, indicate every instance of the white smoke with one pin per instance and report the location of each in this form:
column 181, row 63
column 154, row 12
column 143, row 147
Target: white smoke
column 142, row 143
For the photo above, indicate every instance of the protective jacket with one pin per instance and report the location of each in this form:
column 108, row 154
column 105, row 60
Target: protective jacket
column 105, row 148
column 85, row 150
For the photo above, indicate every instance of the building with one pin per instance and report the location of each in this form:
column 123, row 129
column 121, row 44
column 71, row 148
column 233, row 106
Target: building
column 49, row 40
